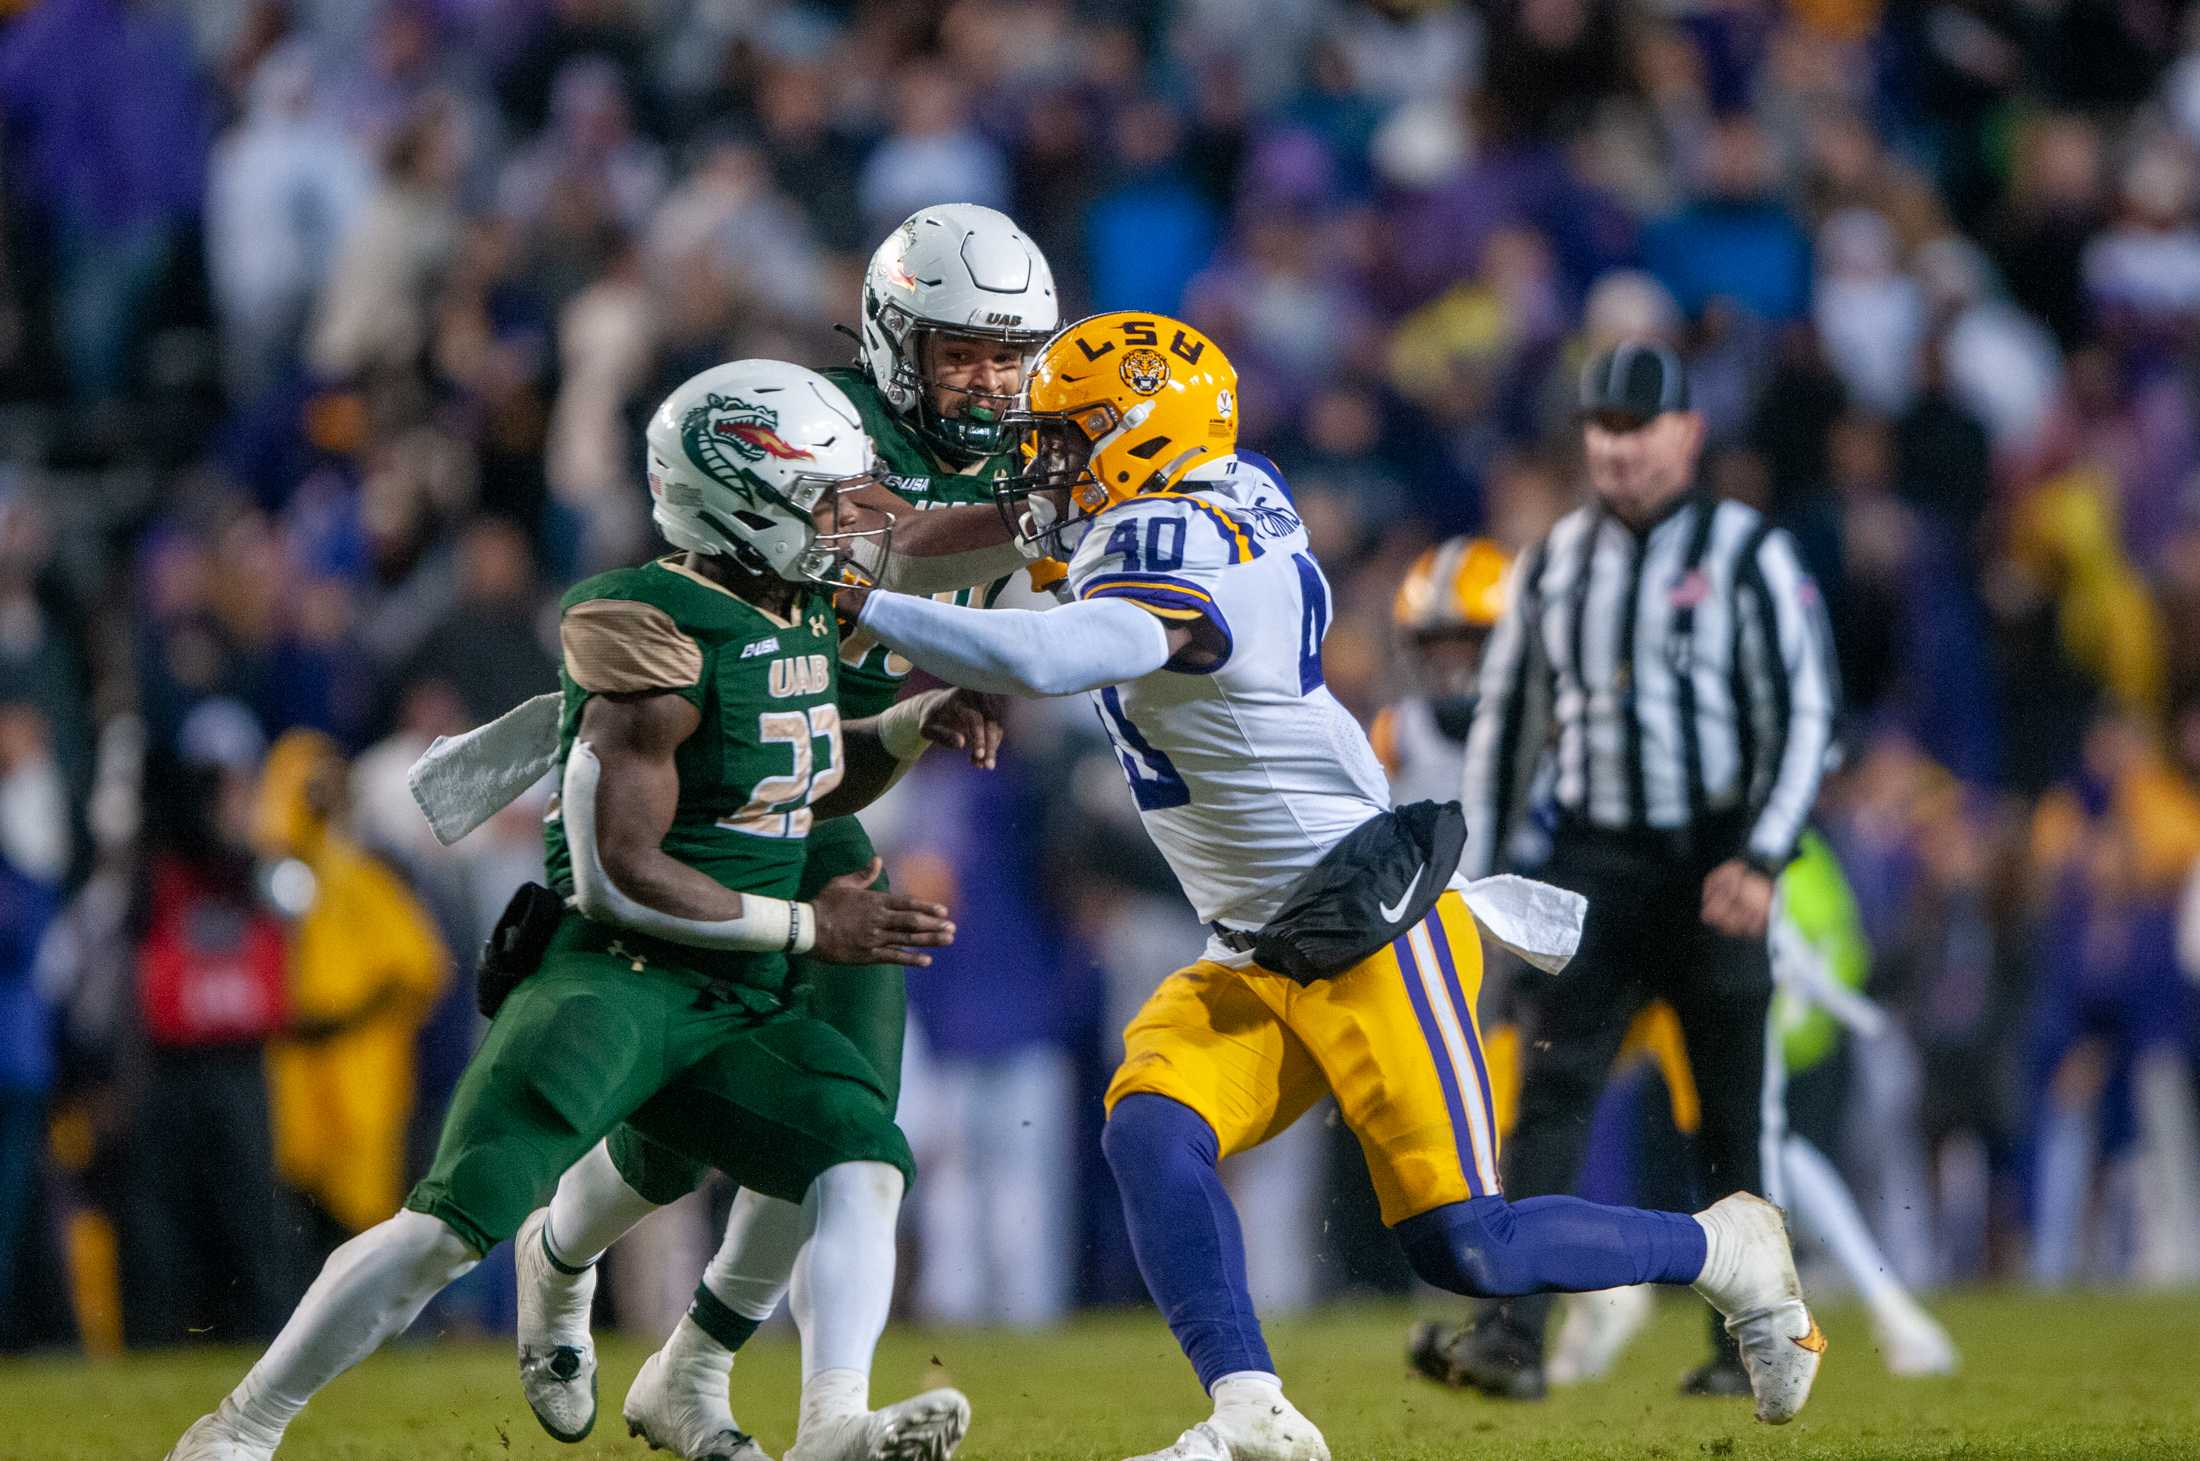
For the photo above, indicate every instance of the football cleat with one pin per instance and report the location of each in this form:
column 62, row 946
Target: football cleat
column 927, row 1427
column 1912, row 1342
column 1488, row 1355
column 1597, row 1329
column 212, row 1438
column 1749, row 1276
column 1253, row 1424
column 557, row 1355
column 690, row 1421
column 1200, row 1443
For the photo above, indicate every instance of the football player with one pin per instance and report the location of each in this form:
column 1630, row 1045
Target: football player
column 1442, row 616
column 1195, row 619
column 956, row 302
column 701, row 734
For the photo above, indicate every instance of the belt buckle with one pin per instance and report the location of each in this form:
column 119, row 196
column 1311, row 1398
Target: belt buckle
column 1237, row 940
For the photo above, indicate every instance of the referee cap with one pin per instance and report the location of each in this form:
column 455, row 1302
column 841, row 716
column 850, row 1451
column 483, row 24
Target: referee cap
column 1635, row 379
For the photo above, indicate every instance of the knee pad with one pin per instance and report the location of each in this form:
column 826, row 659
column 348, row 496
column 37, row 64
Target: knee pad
column 1145, row 1129
column 1466, row 1248
column 863, row 1184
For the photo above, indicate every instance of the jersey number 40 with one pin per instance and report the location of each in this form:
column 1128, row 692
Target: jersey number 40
column 1155, row 783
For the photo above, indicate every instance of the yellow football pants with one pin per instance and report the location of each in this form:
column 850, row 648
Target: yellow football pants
column 1394, row 1038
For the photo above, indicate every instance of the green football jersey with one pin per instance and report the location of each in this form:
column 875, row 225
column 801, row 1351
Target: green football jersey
column 769, row 743
column 871, row 674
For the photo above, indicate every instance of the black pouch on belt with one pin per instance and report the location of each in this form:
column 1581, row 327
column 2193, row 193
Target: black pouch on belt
column 1374, row 885
column 516, row 945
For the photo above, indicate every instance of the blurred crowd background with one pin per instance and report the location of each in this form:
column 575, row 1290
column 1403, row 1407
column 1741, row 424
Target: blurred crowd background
column 327, row 328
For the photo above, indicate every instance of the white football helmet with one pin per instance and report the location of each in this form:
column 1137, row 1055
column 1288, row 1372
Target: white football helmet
column 958, row 269
column 742, row 457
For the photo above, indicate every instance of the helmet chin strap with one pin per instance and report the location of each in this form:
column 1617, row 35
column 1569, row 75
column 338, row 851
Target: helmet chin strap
column 1167, row 471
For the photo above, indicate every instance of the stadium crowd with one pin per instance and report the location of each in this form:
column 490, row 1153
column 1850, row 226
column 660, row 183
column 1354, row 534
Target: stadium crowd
column 326, row 330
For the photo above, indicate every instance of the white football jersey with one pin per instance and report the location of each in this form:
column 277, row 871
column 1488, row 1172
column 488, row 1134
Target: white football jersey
column 1246, row 773
column 1423, row 763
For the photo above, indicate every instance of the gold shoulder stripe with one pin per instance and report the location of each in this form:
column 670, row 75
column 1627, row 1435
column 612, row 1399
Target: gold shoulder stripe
column 620, row 647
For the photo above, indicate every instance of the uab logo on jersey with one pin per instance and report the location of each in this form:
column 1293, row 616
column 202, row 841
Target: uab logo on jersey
column 800, row 674
column 725, row 431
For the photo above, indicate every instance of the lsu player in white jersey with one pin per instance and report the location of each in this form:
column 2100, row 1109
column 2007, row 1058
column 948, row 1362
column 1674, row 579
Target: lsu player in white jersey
column 1337, row 964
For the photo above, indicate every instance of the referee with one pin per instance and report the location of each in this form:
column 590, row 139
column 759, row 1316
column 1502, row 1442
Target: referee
column 1668, row 655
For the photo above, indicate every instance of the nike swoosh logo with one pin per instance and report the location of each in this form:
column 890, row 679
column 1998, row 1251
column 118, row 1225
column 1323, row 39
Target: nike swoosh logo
column 1815, row 1341
column 1390, row 911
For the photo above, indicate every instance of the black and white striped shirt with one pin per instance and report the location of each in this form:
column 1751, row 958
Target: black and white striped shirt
column 1683, row 671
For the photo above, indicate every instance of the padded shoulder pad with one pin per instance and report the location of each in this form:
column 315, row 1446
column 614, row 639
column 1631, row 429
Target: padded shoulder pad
column 625, row 647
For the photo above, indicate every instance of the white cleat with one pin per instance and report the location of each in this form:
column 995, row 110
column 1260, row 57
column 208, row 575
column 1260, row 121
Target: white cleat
column 1749, row 1276
column 1912, row 1342
column 1200, row 1443
column 1255, row 1424
column 1597, row 1329
column 688, row 1420
column 927, row 1427
column 212, row 1438
column 557, row 1355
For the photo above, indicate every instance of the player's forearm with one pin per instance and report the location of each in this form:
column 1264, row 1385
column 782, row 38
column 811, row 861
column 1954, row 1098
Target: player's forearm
column 876, row 751
column 635, row 884
column 871, row 772
column 664, row 884
column 1064, row 651
column 949, row 548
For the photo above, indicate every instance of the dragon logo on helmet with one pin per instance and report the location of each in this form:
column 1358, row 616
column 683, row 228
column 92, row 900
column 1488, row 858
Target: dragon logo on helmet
column 1145, row 371
column 724, row 431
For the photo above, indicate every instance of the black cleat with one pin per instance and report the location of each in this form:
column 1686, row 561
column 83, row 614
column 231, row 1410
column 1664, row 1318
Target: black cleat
column 1488, row 1355
column 1425, row 1349
column 1722, row 1377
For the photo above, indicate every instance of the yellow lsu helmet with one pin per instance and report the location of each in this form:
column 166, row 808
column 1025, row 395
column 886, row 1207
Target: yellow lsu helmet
column 1124, row 403
column 1458, row 586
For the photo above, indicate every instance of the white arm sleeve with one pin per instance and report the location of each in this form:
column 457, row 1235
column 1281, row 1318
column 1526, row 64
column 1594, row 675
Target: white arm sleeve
column 1064, row 651
column 765, row 924
column 943, row 572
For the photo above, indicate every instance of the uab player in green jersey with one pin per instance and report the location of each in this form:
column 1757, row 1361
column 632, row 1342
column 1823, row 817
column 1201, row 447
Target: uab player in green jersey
column 700, row 735
column 956, row 301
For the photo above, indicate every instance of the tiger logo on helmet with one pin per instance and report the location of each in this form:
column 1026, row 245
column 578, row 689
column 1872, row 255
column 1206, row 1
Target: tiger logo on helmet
column 1122, row 404
column 1145, row 371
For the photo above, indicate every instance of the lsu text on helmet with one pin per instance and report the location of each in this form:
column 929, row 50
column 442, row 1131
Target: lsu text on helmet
column 1122, row 404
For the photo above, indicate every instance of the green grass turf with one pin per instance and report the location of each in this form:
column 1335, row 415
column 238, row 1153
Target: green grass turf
column 2081, row 1376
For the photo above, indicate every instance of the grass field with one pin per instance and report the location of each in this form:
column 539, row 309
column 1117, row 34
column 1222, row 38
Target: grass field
column 2044, row 1377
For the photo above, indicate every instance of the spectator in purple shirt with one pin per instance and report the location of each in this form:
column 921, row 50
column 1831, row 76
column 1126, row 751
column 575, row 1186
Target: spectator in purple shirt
column 108, row 126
